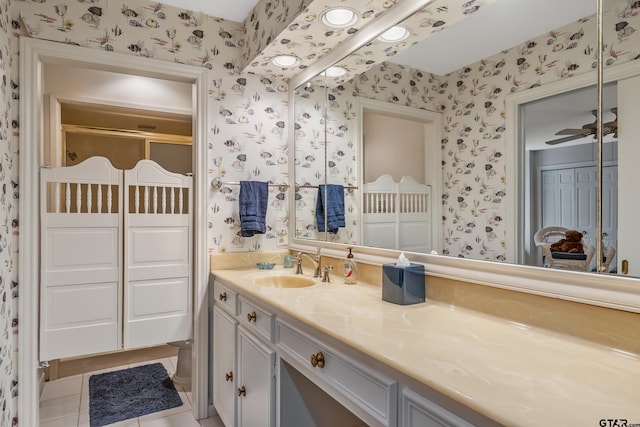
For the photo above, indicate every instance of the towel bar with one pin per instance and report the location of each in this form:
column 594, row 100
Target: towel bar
column 217, row 183
column 349, row 188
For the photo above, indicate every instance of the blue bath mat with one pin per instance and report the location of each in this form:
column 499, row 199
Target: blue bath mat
column 130, row 393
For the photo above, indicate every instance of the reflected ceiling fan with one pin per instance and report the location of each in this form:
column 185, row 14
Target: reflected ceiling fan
column 587, row 129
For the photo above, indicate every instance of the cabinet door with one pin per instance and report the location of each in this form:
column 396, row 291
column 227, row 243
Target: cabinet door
column 416, row 411
column 256, row 382
column 224, row 366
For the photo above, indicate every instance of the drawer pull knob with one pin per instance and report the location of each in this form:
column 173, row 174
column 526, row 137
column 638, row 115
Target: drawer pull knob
column 223, row 296
column 251, row 317
column 229, row 376
column 242, row 391
column 317, row 360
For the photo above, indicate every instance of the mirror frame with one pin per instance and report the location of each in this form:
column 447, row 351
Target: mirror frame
column 599, row 289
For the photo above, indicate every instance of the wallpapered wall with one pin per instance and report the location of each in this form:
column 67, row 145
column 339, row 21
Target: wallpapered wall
column 247, row 121
column 247, row 130
column 471, row 101
column 247, row 126
column 295, row 27
column 8, row 229
column 321, row 125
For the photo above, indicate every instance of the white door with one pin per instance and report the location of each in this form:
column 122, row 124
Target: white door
column 256, row 382
column 224, row 366
column 157, row 254
column 628, row 175
column 81, row 259
column 558, row 198
column 586, row 187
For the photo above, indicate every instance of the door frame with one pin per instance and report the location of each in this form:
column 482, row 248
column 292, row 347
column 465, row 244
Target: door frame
column 432, row 122
column 34, row 54
column 514, row 152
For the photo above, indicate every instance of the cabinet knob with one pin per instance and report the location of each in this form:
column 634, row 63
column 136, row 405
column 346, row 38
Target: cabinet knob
column 228, row 376
column 222, row 296
column 317, row 360
column 242, row 391
column 251, row 317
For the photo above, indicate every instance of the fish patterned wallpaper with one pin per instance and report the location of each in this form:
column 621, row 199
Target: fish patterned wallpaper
column 247, row 123
column 265, row 22
column 319, row 125
column 8, row 228
column 471, row 101
column 277, row 27
column 432, row 19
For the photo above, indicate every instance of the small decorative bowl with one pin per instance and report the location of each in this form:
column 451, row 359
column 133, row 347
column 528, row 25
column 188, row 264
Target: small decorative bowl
column 265, row 265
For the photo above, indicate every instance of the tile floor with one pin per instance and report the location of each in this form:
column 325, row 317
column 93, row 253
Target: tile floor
column 65, row 403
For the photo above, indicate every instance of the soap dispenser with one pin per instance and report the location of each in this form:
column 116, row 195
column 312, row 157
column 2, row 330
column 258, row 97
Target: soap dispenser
column 350, row 270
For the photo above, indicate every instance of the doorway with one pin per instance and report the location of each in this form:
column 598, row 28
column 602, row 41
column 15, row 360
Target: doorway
column 400, row 200
column 561, row 178
column 35, row 54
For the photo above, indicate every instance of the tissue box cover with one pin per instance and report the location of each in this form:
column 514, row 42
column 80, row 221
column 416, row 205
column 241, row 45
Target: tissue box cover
column 403, row 285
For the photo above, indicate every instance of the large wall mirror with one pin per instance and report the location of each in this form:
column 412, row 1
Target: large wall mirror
column 475, row 136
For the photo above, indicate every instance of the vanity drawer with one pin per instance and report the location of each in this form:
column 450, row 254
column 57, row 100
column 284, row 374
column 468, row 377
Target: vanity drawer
column 370, row 390
column 256, row 319
column 225, row 297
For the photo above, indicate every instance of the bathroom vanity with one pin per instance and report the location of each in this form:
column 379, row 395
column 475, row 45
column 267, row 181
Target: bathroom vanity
column 427, row 364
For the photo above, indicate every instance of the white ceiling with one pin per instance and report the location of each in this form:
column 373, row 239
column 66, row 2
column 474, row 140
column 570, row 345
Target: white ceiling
column 497, row 26
column 543, row 118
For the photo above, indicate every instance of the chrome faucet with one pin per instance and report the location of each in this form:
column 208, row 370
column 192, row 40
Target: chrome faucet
column 325, row 276
column 315, row 260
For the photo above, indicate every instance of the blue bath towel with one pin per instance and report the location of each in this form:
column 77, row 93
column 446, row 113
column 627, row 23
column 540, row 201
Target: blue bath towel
column 334, row 208
column 253, row 207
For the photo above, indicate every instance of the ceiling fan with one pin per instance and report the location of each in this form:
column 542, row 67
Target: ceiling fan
column 587, row 129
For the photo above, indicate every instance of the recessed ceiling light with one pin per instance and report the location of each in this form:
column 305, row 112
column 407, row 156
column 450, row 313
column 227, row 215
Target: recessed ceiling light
column 394, row 34
column 335, row 72
column 339, row 17
column 285, row 61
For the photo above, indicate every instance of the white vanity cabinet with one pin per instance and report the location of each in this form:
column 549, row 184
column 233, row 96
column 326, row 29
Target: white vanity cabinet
column 225, row 297
column 256, row 382
column 224, row 365
column 416, row 411
column 367, row 393
column 253, row 343
column 243, row 365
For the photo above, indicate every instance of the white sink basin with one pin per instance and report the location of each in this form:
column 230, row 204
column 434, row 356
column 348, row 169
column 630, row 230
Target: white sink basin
column 284, row 281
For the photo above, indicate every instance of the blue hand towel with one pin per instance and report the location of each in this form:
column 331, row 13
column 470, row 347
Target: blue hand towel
column 334, row 208
column 253, row 207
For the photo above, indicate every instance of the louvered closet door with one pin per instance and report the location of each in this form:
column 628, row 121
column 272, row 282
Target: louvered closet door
column 157, row 256
column 81, row 253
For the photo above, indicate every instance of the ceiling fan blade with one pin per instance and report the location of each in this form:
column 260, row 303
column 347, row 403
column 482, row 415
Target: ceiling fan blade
column 573, row 132
column 565, row 139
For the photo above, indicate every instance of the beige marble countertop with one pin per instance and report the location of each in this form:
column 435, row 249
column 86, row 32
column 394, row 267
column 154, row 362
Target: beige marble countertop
column 514, row 374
